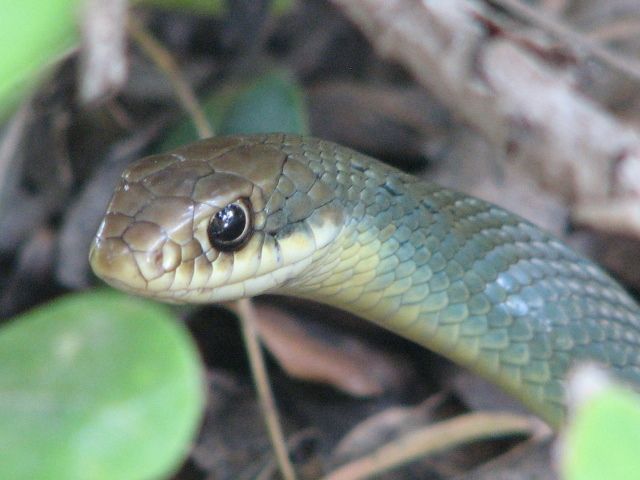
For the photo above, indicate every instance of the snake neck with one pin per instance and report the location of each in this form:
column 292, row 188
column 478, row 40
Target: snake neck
column 479, row 285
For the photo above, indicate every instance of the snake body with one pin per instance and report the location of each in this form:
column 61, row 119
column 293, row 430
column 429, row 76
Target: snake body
column 456, row 274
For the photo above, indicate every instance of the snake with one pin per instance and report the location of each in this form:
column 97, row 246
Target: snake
column 238, row 216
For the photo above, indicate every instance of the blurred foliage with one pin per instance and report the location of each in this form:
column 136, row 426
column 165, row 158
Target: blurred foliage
column 205, row 7
column 602, row 439
column 210, row 7
column 33, row 34
column 271, row 103
column 97, row 385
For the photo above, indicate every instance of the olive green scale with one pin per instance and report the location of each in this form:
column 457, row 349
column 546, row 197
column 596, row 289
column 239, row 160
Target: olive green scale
column 468, row 279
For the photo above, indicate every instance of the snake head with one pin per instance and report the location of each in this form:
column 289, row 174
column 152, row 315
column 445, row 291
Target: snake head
column 216, row 220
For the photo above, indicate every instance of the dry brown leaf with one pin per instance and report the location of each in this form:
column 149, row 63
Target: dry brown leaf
column 349, row 366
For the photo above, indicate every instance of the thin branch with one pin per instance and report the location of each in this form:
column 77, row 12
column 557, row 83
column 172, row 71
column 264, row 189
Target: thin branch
column 585, row 45
column 103, row 64
column 246, row 313
column 165, row 61
column 10, row 140
column 436, row 438
column 615, row 31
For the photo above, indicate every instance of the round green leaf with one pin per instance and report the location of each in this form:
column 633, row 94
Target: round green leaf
column 33, row 33
column 603, row 438
column 97, row 385
column 273, row 102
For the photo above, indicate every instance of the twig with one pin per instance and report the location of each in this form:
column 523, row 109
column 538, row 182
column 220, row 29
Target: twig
column 246, row 313
column 293, row 443
column 10, row 141
column 103, row 64
column 585, row 45
column 164, row 60
column 435, row 438
column 616, row 31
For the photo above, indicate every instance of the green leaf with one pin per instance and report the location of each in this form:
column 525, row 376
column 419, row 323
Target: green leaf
column 203, row 7
column 33, row 33
column 271, row 103
column 210, row 7
column 97, row 385
column 603, row 438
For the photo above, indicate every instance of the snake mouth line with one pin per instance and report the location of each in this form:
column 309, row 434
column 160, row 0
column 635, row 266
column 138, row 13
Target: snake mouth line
column 266, row 283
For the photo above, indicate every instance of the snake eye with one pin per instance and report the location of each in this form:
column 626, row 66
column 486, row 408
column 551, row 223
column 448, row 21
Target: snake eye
column 230, row 228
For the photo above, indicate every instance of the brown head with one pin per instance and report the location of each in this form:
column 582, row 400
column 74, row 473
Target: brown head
column 215, row 220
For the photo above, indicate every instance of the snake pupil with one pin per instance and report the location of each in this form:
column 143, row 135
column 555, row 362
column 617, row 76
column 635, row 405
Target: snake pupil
column 229, row 228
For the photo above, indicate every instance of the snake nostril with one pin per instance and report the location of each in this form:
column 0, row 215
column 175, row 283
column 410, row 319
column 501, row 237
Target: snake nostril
column 157, row 259
column 150, row 264
column 158, row 262
column 171, row 256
